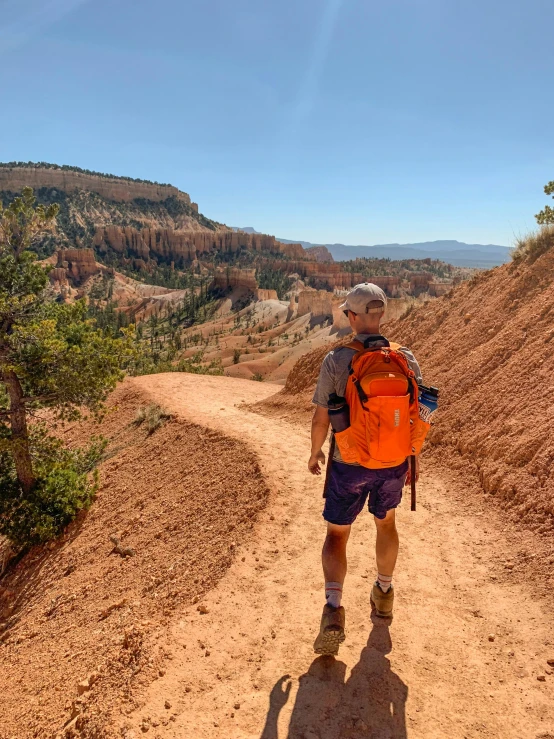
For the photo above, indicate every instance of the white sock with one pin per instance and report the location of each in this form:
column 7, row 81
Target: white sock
column 385, row 582
column 333, row 593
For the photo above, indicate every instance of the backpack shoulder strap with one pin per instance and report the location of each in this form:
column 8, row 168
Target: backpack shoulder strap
column 356, row 345
column 394, row 346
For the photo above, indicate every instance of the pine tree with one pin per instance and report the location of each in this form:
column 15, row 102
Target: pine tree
column 51, row 356
column 546, row 216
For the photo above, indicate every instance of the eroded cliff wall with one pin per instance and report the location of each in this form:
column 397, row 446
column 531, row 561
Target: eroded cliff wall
column 112, row 188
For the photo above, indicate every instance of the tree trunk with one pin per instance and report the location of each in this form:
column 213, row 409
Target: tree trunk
column 20, row 437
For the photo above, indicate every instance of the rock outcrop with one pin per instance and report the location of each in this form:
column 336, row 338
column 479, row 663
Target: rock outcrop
column 437, row 289
column 119, row 189
column 233, row 277
column 74, row 266
column 58, row 275
column 262, row 294
column 317, row 302
column 319, row 253
column 419, row 282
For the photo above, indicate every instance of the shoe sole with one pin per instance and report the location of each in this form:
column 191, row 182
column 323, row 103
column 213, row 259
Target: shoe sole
column 329, row 642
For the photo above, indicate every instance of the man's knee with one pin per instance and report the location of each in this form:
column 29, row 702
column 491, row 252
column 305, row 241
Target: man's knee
column 337, row 535
column 388, row 523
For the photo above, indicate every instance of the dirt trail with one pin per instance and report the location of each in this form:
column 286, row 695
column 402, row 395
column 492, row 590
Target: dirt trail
column 460, row 660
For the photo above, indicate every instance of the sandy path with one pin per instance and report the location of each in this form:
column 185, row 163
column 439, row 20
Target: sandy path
column 246, row 669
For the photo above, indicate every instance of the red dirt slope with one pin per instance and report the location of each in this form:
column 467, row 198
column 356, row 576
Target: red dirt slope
column 76, row 610
column 488, row 346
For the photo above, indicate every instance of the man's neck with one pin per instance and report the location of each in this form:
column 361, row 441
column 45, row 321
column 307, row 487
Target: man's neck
column 375, row 331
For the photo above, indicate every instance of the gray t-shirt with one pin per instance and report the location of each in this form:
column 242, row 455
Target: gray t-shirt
column 333, row 374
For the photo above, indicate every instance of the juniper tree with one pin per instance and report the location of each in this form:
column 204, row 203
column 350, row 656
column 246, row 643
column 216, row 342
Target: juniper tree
column 51, row 357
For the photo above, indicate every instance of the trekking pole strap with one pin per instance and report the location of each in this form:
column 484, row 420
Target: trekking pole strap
column 413, row 471
column 329, row 463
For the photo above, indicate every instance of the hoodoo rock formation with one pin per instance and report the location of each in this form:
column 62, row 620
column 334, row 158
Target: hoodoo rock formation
column 75, row 265
column 176, row 246
column 263, row 294
column 419, row 282
column 317, row 302
column 333, row 276
column 119, row 189
column 233, row 277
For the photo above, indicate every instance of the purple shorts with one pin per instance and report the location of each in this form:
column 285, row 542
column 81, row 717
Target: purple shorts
column 350, row 485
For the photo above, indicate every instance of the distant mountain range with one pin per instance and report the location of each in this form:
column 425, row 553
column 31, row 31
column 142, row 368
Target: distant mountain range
column 458, row 253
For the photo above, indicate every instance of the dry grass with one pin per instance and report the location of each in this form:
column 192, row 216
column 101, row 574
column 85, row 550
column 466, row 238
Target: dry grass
column 530, row 248
column 153, row 415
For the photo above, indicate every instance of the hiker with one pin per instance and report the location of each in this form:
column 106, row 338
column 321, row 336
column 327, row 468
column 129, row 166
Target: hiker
column 349, row 483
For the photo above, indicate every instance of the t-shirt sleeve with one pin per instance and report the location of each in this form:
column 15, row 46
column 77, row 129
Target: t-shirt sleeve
column 326, row 382
column 412, row 364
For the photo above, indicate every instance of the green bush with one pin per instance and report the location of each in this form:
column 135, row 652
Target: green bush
column 64, row 487
column 274, row 279
column 258, row 377
column 236, row 356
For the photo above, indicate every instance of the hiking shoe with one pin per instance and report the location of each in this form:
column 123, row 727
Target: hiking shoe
column 331, row 632
column 383, row 602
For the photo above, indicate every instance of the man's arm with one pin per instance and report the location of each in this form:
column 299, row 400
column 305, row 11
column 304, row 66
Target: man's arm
column 320, row 429
column 412, row 364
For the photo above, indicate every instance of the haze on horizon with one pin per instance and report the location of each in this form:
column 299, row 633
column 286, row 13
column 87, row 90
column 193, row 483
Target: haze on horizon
column 334, row 121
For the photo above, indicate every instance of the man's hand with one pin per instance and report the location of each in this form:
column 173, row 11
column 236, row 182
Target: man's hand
column 315, row 460
column 409, row 475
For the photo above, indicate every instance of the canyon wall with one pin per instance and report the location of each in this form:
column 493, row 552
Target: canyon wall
column 331, row 274
column 173, row 246
column 111, row 188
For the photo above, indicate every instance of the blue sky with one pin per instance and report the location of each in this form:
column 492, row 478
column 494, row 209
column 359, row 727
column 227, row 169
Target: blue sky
column 349, row 121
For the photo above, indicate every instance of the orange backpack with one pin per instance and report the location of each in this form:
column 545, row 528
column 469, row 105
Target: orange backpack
column 382, row 395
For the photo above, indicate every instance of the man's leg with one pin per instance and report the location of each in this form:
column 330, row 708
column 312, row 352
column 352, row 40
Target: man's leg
column 386, row 551
column 346, row 497
column 333, row 556
column 386, row 548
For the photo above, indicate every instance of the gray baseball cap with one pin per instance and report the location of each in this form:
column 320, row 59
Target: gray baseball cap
column 361, row 295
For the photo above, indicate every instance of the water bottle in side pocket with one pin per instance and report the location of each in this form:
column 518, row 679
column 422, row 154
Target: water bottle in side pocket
column 428, row 403
column 339, row 413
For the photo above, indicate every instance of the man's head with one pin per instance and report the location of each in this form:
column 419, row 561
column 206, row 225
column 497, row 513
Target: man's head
column 365, row 306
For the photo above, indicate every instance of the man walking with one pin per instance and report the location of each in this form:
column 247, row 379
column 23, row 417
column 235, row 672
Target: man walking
column 350, row 485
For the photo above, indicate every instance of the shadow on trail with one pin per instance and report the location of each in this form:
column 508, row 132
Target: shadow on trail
column 370, row 704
